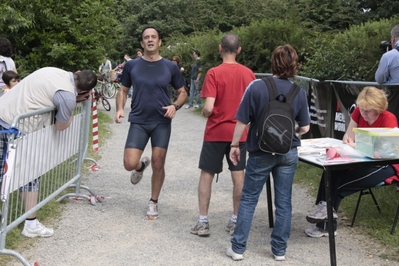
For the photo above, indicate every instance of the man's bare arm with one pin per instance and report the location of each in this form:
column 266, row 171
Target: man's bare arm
column 121, row 98
column 182, row 97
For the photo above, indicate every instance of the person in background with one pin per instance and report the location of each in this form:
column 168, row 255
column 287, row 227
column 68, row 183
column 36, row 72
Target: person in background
column 105, row 68
column 6, row 62
column 284, row 65
column 139, row 52
column 371, row 111
column 127, row 58
column 223, row 88
column 176, row 60
column 46, row 87
column 151, row 114
column 196, row 69
column 388, row 68
column 11, row 79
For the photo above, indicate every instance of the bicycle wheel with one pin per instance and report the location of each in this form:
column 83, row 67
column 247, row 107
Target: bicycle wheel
column 106, row 104
column 109, row 90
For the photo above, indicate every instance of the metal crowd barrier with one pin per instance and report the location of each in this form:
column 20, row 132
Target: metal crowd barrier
column 41, row 153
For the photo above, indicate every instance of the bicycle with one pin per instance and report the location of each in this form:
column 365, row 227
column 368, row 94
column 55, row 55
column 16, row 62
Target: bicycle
column 107, row 87
column 99, row 95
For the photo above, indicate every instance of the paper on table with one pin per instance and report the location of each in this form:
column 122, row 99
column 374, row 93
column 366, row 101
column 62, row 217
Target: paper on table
column 347, row 151
column 303, row 150
column 335, row 160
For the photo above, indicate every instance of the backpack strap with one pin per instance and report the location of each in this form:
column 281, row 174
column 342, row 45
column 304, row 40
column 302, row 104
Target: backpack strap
column 292, row 93
column 273, row 93
column 271, row 86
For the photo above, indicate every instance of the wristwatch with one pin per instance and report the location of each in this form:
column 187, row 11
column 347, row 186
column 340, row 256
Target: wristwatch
column 176, row 106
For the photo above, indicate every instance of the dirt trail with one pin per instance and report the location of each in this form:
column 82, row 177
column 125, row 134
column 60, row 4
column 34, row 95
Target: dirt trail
column 115, row 232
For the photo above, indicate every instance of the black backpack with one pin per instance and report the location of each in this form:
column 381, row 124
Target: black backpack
column 276, row 126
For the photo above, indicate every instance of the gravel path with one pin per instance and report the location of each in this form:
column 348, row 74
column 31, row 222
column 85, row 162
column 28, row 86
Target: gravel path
column 115, row 232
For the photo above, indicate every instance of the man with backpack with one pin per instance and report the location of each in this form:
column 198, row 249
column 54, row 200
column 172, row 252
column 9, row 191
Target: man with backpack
column 264, row 154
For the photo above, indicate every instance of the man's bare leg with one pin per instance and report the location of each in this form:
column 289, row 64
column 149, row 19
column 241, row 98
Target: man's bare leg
column 238, row 183
column 158, row 177
column 201, row 228
column 131, row 159
column 158, row 171
column 204, row 192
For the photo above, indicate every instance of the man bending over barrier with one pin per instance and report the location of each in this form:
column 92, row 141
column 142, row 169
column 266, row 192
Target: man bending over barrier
column 46, row 87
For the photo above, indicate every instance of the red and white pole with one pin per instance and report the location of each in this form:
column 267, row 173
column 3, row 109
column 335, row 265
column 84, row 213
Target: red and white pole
column 95, row 123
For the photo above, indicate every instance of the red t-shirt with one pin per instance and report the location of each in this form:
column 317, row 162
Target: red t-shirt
column 226, row 83
column 385, row 119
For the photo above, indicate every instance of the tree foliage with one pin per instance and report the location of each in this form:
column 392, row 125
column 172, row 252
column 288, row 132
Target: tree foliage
column 69, row 34
column 327, row 15
column 351, row 55
column 75, row 34
column 374, row 9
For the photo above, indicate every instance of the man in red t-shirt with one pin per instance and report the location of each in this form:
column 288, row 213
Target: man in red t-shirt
column 222, row 89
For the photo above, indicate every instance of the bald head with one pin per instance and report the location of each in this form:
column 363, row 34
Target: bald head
column 230, row 43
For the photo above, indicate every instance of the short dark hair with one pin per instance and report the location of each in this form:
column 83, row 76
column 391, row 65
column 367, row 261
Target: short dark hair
column 197, row 52
column 5, row 47
column 230, row 43
column 150, row 27
column 8, row 76
column 176, row 58
column 85, row 80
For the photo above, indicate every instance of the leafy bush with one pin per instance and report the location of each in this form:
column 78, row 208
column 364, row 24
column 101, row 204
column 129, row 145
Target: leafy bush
column 351, row 55
column 258, row 42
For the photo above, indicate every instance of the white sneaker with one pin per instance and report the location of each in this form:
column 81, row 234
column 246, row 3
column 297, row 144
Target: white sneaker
column 39, row 230
column 320, row 214
column 233, row 255
column 317, row 232
column 279, row 258
column 135, row 177
column 201, row 229
column 187, row 107
column 152, row 213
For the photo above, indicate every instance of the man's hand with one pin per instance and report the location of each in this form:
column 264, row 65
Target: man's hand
column 170, row 111
column 234, row 155
column 119, row 114
column 83, row 96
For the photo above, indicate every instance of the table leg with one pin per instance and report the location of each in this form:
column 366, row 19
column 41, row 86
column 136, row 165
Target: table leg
column 269, row 202
column 331, row 238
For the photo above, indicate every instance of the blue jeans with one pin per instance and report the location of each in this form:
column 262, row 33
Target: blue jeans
column 193, row 89
column 257, row 172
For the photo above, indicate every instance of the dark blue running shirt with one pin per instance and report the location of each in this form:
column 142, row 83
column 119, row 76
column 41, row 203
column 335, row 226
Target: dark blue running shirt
column 150, row 81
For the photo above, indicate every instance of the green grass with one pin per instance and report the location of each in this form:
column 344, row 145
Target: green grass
column 52, row 211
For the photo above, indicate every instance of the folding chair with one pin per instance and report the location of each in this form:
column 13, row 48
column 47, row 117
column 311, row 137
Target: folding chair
column 370, row 192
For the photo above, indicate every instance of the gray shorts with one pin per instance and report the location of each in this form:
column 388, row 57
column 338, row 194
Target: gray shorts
column 139, row 134
column 211, row 158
